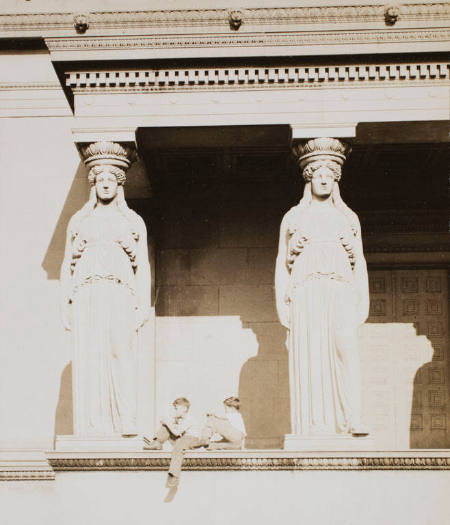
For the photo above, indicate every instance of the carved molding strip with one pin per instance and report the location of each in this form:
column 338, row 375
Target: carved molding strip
column 303, row 38
column 27, row 475
column 210, row 17
column 23, row 86
column 253, row 463
column 24, row 465
column 250, row 77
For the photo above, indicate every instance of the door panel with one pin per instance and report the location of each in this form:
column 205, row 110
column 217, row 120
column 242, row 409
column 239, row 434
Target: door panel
column 405, row 359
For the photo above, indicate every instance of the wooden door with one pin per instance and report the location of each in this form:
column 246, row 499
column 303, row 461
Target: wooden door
column 405, row 359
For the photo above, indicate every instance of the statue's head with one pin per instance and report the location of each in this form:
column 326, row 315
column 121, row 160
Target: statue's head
column 106, row 180
column 323, row 175
column 321, row 160
column 107, row 163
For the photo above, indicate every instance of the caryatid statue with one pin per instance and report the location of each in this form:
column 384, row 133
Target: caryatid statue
column 322, row 297
column 105, row 280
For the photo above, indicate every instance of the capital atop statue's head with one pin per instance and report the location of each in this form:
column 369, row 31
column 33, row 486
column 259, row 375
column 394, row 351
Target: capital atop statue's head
column 111, row 156
column 323, row 148
column 108, row 153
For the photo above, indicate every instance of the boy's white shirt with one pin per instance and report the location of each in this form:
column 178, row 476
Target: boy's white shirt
column 236, row 420
column 178, row 425
column 187, row 425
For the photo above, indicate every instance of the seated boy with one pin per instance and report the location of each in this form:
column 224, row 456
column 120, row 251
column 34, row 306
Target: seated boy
column 229, row 426
column 173, row 426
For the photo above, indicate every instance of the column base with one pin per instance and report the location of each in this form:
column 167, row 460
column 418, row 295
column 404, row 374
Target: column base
column 336, row 443
column 99, row 444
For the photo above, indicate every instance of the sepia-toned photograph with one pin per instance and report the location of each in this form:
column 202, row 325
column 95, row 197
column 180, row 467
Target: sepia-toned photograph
column 225, row 262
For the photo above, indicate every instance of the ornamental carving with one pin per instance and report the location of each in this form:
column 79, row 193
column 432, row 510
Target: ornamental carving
column 105, row 278
column 391, row 15
column 81, row 23
column 235, row 18
column 160, row 461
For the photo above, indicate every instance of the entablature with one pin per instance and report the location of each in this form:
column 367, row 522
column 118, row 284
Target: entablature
column 244, row 31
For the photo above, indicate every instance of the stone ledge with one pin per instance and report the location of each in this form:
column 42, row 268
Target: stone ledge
column 254, row 460
column 25, row 465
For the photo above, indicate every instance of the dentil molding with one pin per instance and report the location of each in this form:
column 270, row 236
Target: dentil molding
column 243, row 77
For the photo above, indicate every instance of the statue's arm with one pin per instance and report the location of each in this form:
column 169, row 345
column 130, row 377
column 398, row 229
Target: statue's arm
column 143, row 274
column 66, row 278
column 361, row 280
column 282, row 275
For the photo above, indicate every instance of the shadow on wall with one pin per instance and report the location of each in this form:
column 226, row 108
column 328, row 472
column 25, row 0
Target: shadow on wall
column 408, row 385
column 64, row 408
column 216, row 261
column 264, row 389
column 429, row 417
column 76, row 198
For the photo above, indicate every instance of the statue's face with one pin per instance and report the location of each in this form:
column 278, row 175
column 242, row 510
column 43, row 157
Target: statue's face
column 106, row 185
column 322, row 182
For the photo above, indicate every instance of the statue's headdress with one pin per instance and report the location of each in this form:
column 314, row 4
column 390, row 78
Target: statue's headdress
column 321, row 151
column 118, row 158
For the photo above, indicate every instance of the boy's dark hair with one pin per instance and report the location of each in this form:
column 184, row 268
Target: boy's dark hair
column 232, row 402
column 181, row 401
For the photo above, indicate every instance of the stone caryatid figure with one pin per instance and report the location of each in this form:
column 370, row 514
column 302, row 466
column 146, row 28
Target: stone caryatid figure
column 322, row 297
column 105, row 281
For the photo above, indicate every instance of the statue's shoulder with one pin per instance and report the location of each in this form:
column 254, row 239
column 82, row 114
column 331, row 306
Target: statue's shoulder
column 291, row 213
column 290, row 218
column 138, row 220
column 76, row 219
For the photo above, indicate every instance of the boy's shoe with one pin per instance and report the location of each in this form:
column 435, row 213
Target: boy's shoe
column 172, row 481
column 359, row 431
column 152, row 445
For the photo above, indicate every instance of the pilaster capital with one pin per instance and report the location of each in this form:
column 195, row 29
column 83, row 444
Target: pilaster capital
column 118, row 154
column 317, row 151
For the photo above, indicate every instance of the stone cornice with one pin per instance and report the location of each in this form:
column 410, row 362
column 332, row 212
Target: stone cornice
column 242, row 77
column 335, row 14
column 255, row 460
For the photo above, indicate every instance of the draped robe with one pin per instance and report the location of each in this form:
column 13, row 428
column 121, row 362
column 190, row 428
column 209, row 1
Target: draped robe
column 102, row 289
column 327, row 298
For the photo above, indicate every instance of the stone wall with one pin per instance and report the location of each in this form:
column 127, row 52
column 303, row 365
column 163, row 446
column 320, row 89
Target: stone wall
column 221, row 498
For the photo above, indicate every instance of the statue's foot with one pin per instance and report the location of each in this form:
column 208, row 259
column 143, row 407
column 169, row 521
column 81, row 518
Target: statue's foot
column 359, row 431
